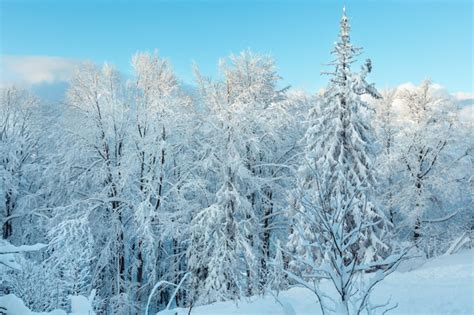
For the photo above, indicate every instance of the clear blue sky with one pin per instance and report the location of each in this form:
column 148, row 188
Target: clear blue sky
column 406, row 40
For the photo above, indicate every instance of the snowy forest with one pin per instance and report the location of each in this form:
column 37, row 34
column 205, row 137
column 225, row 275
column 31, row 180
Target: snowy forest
column 142, row 195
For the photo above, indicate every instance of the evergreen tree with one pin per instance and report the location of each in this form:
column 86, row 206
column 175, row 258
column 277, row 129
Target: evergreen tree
column 339, row 147
column 337, row 230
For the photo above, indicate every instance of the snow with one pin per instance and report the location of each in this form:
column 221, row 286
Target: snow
column 8, row 261
column 13, row 305
column 214, row 183
column 466, row 114
column 81, row 305
column 7, row 248
column 444, row 285
column 8, row 251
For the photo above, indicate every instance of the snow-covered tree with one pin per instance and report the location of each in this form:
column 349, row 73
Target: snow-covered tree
column 338, row 232
column 338, row 146
column 387, row 159
column 21, row 275
column 161, row 127
column 220, row 251
column 72, row 253
column 19, row 161
column 277, row 277
column 242, row 167
column 101, row 107
column 432, row 166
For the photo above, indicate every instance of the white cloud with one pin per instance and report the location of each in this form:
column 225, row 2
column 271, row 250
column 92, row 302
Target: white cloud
column 464, row 95
column 465, row 100
column 33, row 70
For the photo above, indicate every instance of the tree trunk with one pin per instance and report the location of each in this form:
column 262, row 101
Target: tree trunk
column 7, row 225
column 139, row 273
column 266, row 243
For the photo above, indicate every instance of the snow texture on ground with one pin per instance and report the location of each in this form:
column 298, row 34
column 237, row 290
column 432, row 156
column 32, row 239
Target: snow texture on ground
column 13, row 305
column 444, row 285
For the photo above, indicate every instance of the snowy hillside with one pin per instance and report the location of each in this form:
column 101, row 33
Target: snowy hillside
column 444, row 285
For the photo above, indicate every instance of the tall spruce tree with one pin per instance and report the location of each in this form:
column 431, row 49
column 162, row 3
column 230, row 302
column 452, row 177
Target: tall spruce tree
column 337, row 230
column 339, row 147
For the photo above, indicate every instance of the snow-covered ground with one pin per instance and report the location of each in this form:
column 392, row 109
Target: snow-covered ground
column 444, row 285
column 13, row 305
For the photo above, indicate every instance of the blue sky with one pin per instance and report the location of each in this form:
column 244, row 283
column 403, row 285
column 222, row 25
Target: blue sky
column 406, row 40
